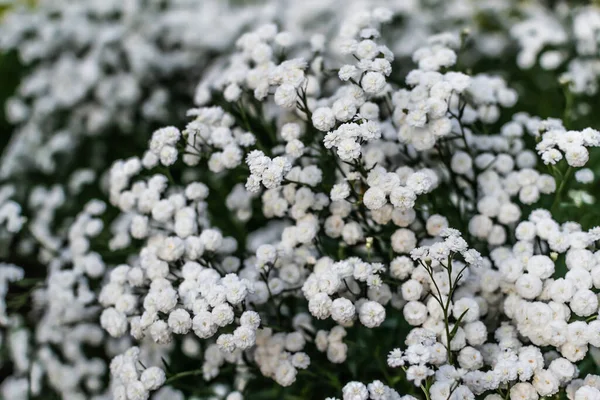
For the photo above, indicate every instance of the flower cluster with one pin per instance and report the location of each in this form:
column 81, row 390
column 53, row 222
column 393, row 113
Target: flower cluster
column 558, row 143
column 561, row 40
column 105, row 63
column 346, row 215
column 10, row 211
column 130, row 383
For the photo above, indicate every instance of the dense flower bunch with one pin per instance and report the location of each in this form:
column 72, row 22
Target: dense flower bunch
column 99, row 72
column 95, row 72
column 564, row 40
column 105, row 62
column 335, row 219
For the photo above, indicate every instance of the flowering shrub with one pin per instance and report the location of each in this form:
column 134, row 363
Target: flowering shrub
column 343, row 216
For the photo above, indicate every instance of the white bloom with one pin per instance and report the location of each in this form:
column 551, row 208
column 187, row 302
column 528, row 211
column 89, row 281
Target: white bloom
column 371, row 314
column 355, row 391
column 373, row 82
column 374, row 198
column 320, row 305
column 323, row 119
column 180, row 321
column 342, row 310
column 153, row 378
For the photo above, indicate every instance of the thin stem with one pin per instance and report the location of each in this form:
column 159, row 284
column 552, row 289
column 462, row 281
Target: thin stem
column 446, row 319
column 183, row 375
column 561, row 188
column 423, row 388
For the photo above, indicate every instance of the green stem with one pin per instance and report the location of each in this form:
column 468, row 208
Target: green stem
column 423, row 388
column 446, row 307
column 561, row 188
column 183, row 374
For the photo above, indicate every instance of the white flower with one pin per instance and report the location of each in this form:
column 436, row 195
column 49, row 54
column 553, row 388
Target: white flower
column 232, row 92
column 159, row 332
column 300, row 360
column 419, row 182
column 342, row 310
column 403, row 197
column 395, row 358
column 168, row 155
column 348, row 150
column 136, row 391
column 587, row 393
column 577, row 156
column 340, row 191
column 320, row 305
column 347, row 72
column 344, row 109
column 222, row 315
column 529, row 286
column 285, row 373
column 244, row 337
column 226, row 343
column 418, row 373
column 114, row 322
column 355, row 391
column 250, row 319
column 153, row 378
column 172, row 248
column 352, row 233
column 211, row 239
column 523, row 390
column 323, row 119
column 371, row 314
column 373, row 82
column 294, row 341
column 266, row 254
column 584, row 175
column 286, row 96
column 541, row 266
column 415, row 313
column 374, row 198
column 545, row 383
column 203, row 325
column 411, row 290
column 403, row 241
column 584, row 303
column 461, row 163
column 180, row 321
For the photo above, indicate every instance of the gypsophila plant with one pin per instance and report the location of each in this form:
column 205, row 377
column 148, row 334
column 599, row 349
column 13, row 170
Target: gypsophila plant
column 400, row 205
